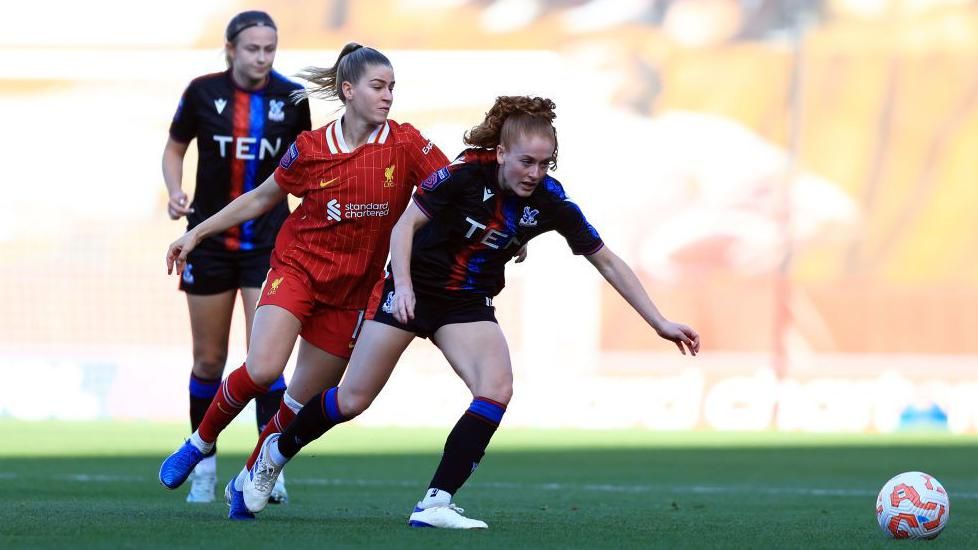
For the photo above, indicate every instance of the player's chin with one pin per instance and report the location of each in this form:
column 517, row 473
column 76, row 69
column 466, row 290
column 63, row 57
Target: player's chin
column 525, row 189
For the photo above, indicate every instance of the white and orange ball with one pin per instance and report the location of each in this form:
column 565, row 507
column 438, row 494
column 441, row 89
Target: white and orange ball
column 912, row 505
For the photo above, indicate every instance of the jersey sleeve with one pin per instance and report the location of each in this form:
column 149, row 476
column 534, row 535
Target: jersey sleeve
column 428, row 170
column 183, row 127
column 290, row 174
column 581, row 236
column 437, row 191
column 424, row 157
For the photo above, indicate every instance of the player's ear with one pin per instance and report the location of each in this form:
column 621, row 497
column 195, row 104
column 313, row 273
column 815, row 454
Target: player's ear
column 500, row 153
column 346, row 88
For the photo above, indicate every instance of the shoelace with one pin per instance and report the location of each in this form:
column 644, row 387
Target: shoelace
column 264, row 476
column 459, row 509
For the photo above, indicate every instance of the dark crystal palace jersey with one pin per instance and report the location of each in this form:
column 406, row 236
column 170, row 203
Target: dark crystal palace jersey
column 241, row 135
column 476, row 227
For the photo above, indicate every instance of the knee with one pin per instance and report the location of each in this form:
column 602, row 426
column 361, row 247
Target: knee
column 500, row 391
column 263, row 373
column 265, row 365
column 352, row 402
column 209, row 364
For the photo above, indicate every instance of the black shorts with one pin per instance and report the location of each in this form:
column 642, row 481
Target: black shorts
column 213, row 272
column 433, row 312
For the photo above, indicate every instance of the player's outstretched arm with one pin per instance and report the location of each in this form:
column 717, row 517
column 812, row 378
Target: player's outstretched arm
column 402, row 239
column 249, row 206
column 623, row 279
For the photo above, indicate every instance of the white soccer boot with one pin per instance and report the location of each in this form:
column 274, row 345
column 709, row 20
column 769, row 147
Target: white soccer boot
column 279, row 494
column 260, row 481
column 444, row 517
column 203, row 480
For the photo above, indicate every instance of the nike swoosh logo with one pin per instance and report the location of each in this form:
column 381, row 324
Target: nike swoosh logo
column 326, row 183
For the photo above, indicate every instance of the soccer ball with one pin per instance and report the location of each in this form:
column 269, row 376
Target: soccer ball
column 912, row 505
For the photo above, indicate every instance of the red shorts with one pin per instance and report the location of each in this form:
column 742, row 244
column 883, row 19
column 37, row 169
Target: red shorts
column 326, row 327
column 374, row 302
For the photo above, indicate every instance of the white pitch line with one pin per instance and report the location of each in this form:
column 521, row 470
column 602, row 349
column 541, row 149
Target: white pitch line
column 509, row 485
column 103, row 478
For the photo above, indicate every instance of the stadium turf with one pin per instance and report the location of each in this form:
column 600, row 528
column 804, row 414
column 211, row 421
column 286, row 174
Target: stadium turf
column 94, row 485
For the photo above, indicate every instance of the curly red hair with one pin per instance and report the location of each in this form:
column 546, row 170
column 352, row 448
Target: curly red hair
column 512, row 117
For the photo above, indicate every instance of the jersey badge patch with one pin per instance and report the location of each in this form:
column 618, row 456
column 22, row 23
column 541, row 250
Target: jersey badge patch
column 529, row 218
column 275, row 110
column 434, row 180
column 289, row 157
column 273, row 288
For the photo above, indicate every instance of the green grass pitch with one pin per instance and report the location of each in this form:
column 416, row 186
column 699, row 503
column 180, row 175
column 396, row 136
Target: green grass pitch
column 94, row 485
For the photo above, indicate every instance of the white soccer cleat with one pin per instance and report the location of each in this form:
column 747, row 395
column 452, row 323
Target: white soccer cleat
column 444, row 517
column 279, row 494
column 260, row 481
column 202, row 486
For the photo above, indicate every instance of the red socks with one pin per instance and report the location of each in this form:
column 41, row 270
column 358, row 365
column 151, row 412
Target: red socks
column 236, row 391
column 278, row 423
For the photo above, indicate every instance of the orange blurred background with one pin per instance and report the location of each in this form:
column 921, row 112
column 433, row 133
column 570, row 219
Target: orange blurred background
column 792, row 178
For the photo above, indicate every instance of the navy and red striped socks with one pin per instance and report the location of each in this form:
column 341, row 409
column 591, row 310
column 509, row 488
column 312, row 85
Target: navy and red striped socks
column 316, row 418
column 202, row 392
column 465, row 446
column 267, row 404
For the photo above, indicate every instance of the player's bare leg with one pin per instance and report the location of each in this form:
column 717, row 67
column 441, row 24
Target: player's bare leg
column 377, row 351
column 316, row 370
column 267, row 404
column 275, row 332
column 479, row 354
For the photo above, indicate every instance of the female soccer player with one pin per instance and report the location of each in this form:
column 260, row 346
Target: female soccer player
column 448, row 256
column 355, row 176
column 243, row 120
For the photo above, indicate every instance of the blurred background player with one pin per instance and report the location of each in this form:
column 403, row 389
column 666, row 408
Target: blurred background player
column 355, row 176
column 243, row 120
column 450, row 249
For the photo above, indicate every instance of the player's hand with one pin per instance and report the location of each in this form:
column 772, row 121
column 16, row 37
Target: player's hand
column 681, row 335
column 402, row 306
column 176, row 255
column 178, row 206
column 521, row 254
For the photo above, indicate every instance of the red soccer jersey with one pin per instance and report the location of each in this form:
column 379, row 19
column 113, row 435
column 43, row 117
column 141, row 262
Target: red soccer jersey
column 339, row 237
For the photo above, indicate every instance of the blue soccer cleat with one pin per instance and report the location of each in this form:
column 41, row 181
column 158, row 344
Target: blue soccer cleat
column 237, row 510
column 178, row 466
